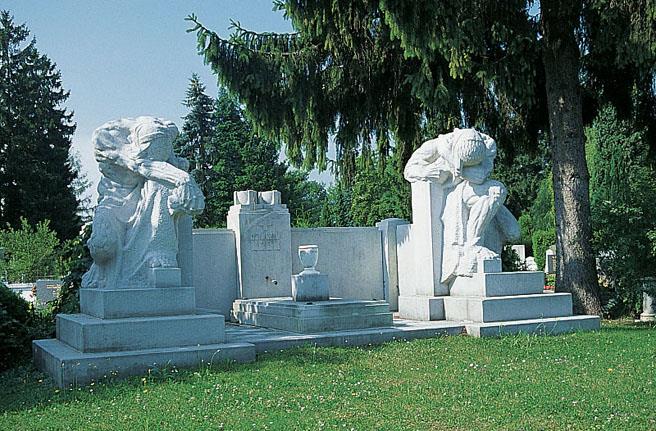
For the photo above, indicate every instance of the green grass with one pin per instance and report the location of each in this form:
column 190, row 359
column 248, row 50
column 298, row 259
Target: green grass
column 584, row 381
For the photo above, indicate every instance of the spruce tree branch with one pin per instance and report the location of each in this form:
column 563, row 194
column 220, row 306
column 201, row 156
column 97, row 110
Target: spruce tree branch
column 244, row 37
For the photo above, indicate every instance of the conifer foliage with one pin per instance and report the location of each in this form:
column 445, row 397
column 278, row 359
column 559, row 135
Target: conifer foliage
column 36, row 175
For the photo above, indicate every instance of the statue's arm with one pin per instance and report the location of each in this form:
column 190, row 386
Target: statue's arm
column 426, row 163
column 161, row 172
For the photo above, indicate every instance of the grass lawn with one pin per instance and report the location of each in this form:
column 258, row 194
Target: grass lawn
column 584, row 381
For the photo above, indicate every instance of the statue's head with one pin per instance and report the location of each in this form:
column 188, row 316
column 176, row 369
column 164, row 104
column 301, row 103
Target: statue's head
column 153, row 138
column 469, row 146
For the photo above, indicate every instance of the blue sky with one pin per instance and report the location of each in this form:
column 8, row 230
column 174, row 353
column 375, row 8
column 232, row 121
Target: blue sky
column 124, row 58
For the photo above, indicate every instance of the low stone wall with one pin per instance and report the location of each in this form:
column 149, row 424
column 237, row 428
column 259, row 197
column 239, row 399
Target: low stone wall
column 350, row 256
column 215, row 269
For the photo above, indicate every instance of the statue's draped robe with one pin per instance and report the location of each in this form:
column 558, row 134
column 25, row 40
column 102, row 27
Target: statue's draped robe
column 133, row 228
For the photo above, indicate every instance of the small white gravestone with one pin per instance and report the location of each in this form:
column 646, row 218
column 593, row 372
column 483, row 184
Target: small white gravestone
column 550, row 261
column 520, row 249
column 649, row 300
column 263, row 238
column 530, row 264
column 309, row 285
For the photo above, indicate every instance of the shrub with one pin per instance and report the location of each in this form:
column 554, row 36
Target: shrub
column 19, row 325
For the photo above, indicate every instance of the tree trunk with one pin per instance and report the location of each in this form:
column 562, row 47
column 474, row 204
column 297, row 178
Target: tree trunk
column 576, row 270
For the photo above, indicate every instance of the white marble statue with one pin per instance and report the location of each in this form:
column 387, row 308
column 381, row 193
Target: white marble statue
column 143, row 192
column 476, row 223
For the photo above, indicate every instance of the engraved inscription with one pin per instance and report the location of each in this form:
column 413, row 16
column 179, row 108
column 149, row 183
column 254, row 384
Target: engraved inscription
column 264, row 238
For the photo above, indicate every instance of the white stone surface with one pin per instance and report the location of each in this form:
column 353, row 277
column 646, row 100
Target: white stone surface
column 546, row 326
column 499, row 284
column 310, row 287
column 531, row 265
column 351, row 257
column 70, row 367
column 520, row 249
column 387, row 229
column 550, row 261
column 91, row 334
column 143, row 193
column 507, row 308
column 648, row 308
column 120, row 303
column 215, row 270
column 166, row 277
column 416, row 307
column 648, row 300
column 475, row 223
column 315, row 317
column 263, row 241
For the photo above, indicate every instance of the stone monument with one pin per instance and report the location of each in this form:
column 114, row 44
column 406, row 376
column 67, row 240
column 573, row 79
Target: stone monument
column 310, row 309
column 648, row 300
column 263, row 239
column 136, row 313
column 309, row 285
column 449, row 258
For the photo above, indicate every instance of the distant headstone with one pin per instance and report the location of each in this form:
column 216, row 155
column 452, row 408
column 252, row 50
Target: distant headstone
column 520, row 249
column 648, row 300
column 550, row 261
column 530, row 264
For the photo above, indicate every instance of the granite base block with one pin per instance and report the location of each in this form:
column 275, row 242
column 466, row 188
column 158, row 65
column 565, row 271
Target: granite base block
column 312, row 317
column 423, row 308
column 548, row 326
column 119, row 303
column 70, row 367
column 507, row 308
column 91, row 334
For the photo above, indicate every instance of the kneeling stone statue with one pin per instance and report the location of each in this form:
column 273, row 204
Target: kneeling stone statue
column 476, row 223
column 142, row 194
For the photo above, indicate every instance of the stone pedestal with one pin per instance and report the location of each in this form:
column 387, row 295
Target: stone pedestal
column 263, row 240
column 312, row 317
column 648, row 300
column 310, row 286
column 496, row 303
column 122, row 332
column 387, row 229
column 419, row 253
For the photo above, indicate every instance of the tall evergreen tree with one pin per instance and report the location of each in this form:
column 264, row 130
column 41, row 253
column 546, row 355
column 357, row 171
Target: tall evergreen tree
column 195, row 144
column 36, row 175
column 226, row 155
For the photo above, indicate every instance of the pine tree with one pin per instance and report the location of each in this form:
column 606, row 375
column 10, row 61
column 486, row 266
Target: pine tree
column 226, row 155
column 195, row 145
column 36, row 176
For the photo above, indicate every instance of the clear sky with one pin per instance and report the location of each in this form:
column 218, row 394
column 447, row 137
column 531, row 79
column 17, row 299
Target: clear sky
column 124, row 58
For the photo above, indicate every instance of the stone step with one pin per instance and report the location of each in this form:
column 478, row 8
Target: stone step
column 121, row 303
column 499, row 284
column 507, row 308
column 70, row 367
column 332, row 308
column 316, row 317
column 91, row 334
column 547, row 326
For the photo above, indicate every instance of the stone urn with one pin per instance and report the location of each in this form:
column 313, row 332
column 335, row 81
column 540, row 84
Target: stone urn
column 309, row 254
column 648, row 300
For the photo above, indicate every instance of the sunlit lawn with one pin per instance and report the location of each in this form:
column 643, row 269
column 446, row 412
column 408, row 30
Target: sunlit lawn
column 599, row 380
